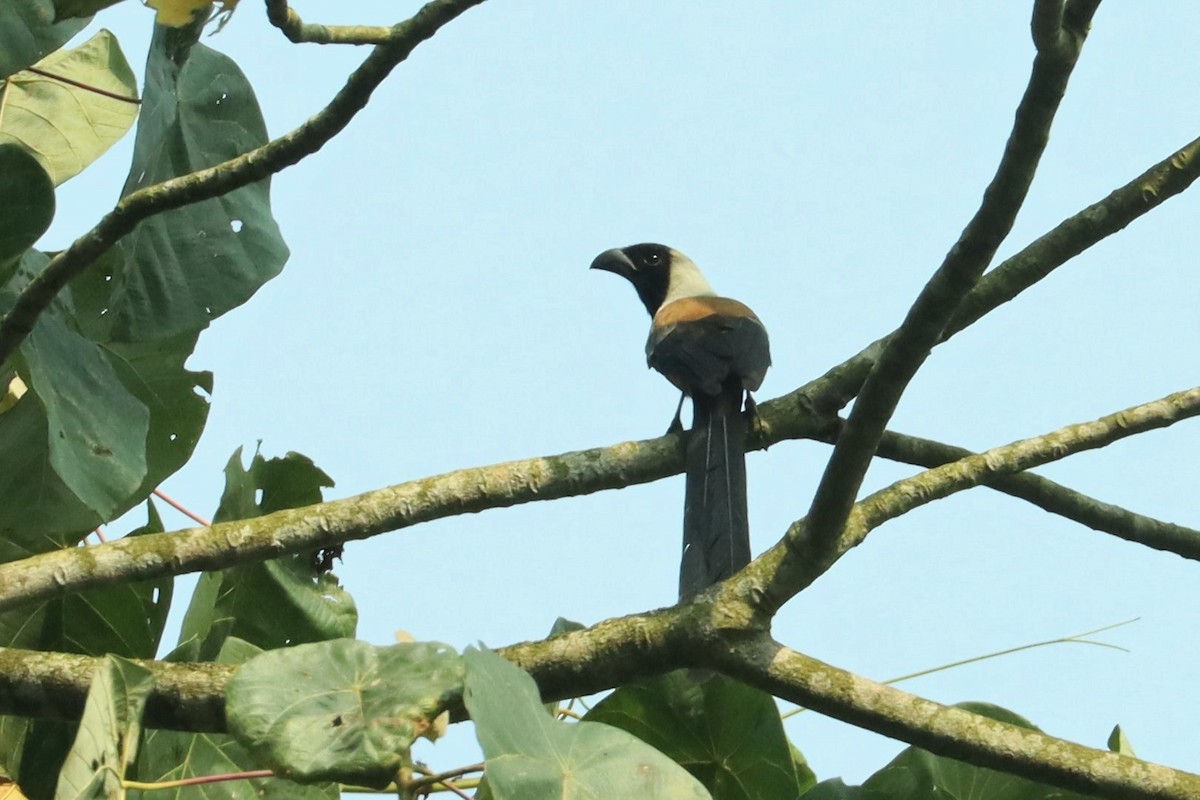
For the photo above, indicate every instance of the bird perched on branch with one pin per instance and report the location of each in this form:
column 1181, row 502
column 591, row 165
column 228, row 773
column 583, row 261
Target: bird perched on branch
column 715, row 351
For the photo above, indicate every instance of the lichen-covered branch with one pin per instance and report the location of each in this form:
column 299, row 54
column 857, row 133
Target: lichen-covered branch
column 907, row 349
column 497, row 486
column 326, row 524
column 801, row 557
column 191, row 696
column 952, row 732
column 223, row 178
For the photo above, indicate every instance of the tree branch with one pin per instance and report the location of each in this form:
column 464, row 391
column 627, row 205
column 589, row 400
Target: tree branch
column 247, row 168
column 499, row 486
column 1054, row 498
column 1035, row 261
column 801, row 557
column 327, row 524
column 299, row 31
column 191, row 696
column 949, row 731
column 910, row 345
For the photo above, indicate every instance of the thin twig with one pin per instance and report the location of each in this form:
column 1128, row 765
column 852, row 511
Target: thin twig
column 85, row 86
column 1073, row 639
column 182, row 509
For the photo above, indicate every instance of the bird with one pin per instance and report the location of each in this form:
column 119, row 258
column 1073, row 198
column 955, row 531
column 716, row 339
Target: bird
column 715, row 350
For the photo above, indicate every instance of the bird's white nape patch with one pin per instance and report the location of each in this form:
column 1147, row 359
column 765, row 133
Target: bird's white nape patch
column 686, row 280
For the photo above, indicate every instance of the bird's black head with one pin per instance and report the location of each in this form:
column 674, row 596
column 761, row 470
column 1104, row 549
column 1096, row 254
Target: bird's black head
column 646, row 266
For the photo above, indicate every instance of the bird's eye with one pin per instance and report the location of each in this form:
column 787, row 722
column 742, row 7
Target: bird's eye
column 653, row 259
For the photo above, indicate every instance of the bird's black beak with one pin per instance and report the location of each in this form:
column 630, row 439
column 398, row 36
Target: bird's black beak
column 616, row 261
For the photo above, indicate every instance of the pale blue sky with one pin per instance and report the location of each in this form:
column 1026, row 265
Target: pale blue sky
column 816, row 160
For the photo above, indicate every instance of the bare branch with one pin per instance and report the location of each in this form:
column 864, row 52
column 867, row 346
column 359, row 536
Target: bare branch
column 909, row 346
column 1047, row 27
column 1069, row 238
column 1077, row 233
column 798, row 560
column 1054, row 498
column 247, row 168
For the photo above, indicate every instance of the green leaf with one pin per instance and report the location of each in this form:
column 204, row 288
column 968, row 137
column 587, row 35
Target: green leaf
column 728, row 735
column 26, row 202
column 1118, row 743
column 340, row 710
column 171, row 755
column 534, row 757
column 28, row 31
column 188, row 266
column 41, row 511
column 275, row 603
column 97, row 429
column 70, row 9
column 43, row 754
column 108, row 732
column 66, row 125
column 917, row 774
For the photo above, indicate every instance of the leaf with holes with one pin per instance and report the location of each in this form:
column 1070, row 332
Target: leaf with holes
column 184, row 267
column 108, row 731
column 340, row 710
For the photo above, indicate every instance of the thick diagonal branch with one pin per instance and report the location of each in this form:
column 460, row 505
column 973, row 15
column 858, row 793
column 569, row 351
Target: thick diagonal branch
column 223, row 178
column 908, row 348
column 952, row 732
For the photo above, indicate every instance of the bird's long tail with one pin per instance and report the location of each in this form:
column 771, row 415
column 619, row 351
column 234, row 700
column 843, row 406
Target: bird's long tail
column 716, row 530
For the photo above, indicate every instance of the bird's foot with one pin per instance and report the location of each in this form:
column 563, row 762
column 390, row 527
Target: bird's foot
column 760, row 431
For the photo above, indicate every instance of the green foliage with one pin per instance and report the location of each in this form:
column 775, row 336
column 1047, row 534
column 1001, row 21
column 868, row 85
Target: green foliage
column 727, row 734
column 198, row 111
column 26, row 202
column 340, row 710
column 917, row 774
column 534, row 757
column 108, row 732
column 275, row 603
column 175, row 756
column 111, row 411
column 68, row 9
column 66, row 125
column 28, row 31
